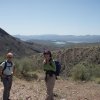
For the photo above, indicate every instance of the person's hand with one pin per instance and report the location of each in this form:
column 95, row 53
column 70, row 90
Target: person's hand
column 44, row 61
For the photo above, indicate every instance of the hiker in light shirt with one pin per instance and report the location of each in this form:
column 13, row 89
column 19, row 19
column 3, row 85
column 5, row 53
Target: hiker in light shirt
column 6, row 71
column 50, row 77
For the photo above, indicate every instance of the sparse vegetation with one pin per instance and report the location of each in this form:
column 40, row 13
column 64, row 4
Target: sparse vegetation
column 80, row 72
column 86, row 72
column 97, row 80
column 78, row 63
column 25, row 68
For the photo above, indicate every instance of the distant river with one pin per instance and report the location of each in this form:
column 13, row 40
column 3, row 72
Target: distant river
column 60, row 42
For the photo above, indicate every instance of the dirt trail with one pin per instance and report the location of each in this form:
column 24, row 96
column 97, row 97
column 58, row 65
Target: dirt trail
column 64, row 90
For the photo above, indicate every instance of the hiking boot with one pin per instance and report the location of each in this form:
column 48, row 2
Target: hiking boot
column 55, row 95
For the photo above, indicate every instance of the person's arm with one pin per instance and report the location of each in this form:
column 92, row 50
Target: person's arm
column 1, row 67
column 13, row 69
column 0, row 70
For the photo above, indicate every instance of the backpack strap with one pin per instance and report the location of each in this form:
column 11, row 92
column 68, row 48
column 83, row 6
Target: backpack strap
column 4, row 67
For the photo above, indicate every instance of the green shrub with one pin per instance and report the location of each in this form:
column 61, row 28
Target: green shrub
column 97, row 80
column 30, row 76
column 2, row 59
column 28, row 68
column 80, row 72
column 96, row 71
column 93, row 69
column 85, row 71
column 24, row 66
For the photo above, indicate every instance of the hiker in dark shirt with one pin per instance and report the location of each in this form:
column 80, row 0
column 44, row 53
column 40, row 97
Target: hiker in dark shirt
column 6, row 71
column 50, row 77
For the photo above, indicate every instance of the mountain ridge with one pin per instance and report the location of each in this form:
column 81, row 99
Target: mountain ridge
column 67, row 38
column 17, row 46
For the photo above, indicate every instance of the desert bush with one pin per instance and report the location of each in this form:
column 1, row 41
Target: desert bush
column 84, row 71
column 2, row 59
column 80, row 72
column 96, row 71
column 97, row 80
column 30, row 76
column 24, row 66
column 18, row 67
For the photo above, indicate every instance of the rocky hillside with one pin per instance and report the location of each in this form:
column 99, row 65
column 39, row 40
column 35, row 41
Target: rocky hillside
column 73, row 56
column 86, row 55
column 19, row 47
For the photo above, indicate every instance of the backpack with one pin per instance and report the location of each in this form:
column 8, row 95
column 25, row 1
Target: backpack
column 5, row 66
column 3, row 71
column 58, row 68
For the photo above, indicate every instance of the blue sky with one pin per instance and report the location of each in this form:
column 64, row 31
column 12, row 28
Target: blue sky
column 33, row 17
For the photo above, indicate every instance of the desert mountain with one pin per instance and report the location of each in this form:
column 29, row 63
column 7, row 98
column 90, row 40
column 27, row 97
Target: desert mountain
column 65, row 38
column 17, row 46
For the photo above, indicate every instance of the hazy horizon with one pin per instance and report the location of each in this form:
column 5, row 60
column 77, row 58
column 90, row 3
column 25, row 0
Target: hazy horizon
column 60, row 17
column 52, row 34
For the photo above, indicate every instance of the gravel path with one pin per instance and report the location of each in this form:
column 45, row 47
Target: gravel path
column 64, row 90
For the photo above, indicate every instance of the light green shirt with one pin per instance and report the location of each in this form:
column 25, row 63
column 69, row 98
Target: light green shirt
column 48, row 67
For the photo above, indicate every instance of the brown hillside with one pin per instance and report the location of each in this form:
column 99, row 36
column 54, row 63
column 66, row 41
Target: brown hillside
column 87, row 55
column 20, row 48
column 73, row 56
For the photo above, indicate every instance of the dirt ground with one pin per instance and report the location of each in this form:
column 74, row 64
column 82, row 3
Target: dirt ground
column 64, row 90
